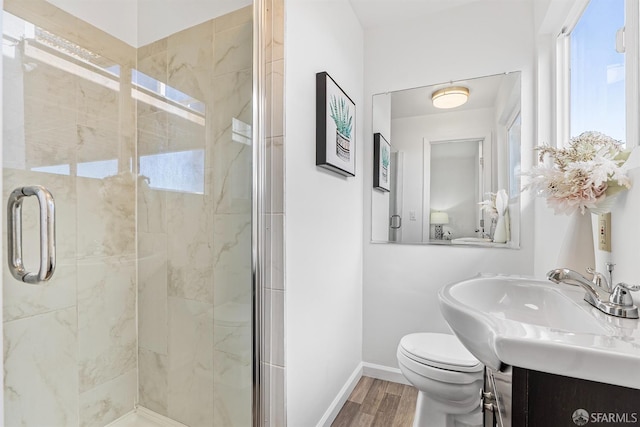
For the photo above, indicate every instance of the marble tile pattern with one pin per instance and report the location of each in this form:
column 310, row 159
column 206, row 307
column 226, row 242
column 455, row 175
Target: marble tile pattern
column 107, row 346
column 273, row 366
column 40, row 364
column 194, row 247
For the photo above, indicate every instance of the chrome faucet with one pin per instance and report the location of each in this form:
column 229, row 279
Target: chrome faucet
column 480, row 230
column 600, row 293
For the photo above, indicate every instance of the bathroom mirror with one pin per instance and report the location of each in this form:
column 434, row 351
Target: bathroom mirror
column 447, row 163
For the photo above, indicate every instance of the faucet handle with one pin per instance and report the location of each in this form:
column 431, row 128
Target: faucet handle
column 629, row 287
column 621, row 296
column 599, row 279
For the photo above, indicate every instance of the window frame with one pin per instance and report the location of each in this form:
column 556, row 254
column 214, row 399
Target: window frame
column 513, row 177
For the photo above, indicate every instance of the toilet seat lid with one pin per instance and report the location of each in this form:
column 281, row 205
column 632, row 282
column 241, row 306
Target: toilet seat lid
column 439, row 350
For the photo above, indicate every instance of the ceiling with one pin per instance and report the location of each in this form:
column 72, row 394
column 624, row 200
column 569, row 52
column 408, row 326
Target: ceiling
column 417, row 101
column 373, row 13
column 139, row 22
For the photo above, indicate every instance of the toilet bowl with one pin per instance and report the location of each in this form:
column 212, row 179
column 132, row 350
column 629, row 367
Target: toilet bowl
column 448, row 379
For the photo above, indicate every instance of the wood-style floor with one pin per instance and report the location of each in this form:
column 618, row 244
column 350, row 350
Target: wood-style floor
column 378, row 403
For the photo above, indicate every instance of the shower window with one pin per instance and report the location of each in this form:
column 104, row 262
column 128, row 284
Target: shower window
column 175, row 171
column 168, row 94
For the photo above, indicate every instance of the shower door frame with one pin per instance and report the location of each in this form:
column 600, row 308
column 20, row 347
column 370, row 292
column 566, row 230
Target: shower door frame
column 258, row 209
column 3, row 218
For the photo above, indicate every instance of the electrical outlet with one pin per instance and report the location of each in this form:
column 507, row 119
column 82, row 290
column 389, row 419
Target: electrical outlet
column 604, row 232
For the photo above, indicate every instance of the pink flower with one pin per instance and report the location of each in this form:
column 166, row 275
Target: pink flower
column 580, row 176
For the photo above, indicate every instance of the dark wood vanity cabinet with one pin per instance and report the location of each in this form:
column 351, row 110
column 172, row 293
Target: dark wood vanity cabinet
column 540, row 399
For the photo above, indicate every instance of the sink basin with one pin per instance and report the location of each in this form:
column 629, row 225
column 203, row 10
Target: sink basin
column 478, row 241
column 527, row 302
column 536, row 324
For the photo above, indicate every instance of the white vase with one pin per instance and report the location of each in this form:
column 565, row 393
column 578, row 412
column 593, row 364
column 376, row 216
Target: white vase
column 500, row 235
column 605, row 205
column 577, row 251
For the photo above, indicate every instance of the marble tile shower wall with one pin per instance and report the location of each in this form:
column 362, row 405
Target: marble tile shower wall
column 274, row 364
column 70, row 345
column 194, row 229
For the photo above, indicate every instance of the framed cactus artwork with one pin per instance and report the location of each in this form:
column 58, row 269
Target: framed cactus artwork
column 381, row 163
column 335, row 127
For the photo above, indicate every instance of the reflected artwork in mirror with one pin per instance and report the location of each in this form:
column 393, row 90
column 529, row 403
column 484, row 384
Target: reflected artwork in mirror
column 454, row 171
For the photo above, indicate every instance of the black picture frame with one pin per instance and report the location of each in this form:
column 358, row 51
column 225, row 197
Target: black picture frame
column 381, row 163
column 335, row 127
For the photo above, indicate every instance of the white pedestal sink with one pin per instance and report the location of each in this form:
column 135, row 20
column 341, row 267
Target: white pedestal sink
column 536, row 324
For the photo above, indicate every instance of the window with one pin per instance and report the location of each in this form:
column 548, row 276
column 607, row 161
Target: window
column 598, row 71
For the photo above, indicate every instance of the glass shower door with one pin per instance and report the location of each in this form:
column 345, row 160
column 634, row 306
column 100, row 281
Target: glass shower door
column 70, row 344
column 147, row 152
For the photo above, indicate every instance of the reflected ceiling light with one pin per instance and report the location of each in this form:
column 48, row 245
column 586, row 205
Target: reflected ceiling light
column 450, row 97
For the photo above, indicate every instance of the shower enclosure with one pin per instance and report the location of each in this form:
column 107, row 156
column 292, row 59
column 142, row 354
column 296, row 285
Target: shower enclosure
column 147, row 152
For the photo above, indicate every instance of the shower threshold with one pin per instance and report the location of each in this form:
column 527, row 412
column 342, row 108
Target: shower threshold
column 143, row 417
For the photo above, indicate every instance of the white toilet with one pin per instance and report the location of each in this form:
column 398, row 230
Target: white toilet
column 448, row 379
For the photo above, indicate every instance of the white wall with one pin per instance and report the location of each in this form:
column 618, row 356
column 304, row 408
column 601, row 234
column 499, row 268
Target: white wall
column 116, row 17
column 324, row 213
column 401, row 281
column 160, row 18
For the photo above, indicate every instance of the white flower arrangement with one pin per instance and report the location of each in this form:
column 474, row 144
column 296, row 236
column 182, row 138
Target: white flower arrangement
column 583, row 175
column 489, row 206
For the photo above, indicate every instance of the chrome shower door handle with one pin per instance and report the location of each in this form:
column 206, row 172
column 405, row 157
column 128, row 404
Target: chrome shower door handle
column 47, row 234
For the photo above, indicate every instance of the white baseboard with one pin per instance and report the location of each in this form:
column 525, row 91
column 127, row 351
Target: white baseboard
column 382, row 372
column 337, row 404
